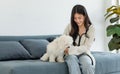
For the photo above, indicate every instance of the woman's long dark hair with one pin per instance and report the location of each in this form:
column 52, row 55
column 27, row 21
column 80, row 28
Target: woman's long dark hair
column 74, row 30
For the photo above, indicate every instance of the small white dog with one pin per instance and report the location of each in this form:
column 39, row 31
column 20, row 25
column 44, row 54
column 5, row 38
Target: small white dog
column 55, row 49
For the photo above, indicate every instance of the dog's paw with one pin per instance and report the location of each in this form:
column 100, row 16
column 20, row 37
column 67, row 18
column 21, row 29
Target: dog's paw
column 44, row 57
column 61, row 61
column 52, row 60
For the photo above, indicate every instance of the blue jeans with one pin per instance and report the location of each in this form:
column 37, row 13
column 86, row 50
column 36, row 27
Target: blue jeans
column 80, row 65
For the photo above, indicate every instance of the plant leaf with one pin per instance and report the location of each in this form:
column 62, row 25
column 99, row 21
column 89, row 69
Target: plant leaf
column 112, row 20
column 109, row 15
column 117, row 11
column 110, row 8
column 113, row 29
column 106, row 14
column 110, row 11
column 114, row 43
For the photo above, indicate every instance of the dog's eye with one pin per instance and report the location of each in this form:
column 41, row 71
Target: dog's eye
column 68, row 47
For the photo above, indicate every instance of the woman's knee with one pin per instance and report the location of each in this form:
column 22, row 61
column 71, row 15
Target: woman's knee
column 69, row 57
column 85, row 60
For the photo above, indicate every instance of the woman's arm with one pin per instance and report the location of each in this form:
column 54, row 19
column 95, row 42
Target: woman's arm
column 76, row 50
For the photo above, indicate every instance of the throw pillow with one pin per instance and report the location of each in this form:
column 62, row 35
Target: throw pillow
column 12, row 50
column 36, row 47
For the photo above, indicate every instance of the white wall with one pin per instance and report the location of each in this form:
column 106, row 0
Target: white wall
column 33, row 17
column 42, row 17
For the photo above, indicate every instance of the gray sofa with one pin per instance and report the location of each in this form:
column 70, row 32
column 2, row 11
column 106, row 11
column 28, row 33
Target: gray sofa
column 20, row 55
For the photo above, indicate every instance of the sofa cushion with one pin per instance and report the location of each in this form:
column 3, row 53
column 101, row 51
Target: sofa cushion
column 36, row 47
column 32, row 67
column 107, row 63
column 12, row 50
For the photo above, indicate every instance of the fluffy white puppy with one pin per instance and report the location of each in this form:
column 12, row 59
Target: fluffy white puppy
column 55, row 49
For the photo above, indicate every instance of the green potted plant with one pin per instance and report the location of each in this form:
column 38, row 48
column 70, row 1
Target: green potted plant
column 113, row 13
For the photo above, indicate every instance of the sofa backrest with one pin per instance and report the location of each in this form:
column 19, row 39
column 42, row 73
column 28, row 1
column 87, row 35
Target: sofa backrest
column 18, row 38
column 24, row 47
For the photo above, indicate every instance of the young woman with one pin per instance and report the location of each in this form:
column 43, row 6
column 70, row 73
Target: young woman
column 82, row 32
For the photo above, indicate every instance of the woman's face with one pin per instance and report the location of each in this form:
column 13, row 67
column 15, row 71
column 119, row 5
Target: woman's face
column 79, row 19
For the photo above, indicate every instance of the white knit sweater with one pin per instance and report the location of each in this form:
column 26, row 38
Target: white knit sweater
column 85, row 43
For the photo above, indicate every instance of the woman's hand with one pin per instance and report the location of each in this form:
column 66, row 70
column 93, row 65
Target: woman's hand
column 66, row 51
